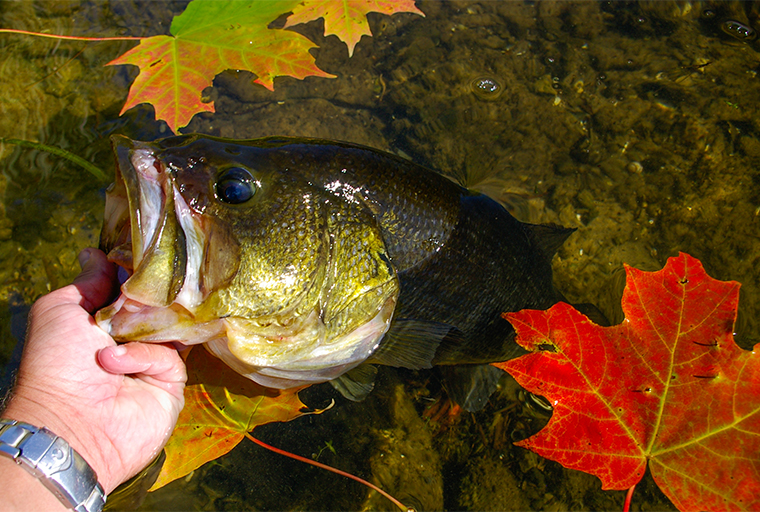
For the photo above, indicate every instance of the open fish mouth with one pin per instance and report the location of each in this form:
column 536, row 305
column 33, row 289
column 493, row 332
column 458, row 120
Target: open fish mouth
column 151, row 233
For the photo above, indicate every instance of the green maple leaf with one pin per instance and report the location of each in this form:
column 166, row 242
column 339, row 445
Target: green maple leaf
column 347, row 19
column 209, row 37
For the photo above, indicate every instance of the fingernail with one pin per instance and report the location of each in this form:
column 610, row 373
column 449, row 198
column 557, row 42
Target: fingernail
column 84, row 257
column 118, row 350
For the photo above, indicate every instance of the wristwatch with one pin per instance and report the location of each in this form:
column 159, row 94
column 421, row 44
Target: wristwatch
column 58, row 466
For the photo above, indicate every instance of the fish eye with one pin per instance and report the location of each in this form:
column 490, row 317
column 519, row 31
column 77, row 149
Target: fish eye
column 235, row 186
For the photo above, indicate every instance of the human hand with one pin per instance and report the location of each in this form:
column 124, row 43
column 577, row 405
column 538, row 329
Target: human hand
column 115, row 405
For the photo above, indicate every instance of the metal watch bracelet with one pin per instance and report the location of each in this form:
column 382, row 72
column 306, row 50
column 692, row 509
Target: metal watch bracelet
column 58, row 466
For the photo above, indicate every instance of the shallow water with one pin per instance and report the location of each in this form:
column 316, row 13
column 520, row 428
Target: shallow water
column 632, row 121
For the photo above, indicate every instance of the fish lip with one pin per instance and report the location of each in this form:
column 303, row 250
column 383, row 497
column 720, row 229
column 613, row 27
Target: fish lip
column 146, row 218
column 130, row 223
column 122, row 217
column 138, row 167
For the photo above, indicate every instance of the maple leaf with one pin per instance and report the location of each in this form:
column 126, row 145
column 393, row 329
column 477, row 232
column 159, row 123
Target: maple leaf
column 221, row 406
column 347, row 19
column 211, row 36
column 668, row 386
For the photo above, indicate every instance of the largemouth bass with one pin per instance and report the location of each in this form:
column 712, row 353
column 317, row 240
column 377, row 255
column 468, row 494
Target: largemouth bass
column 297, row 261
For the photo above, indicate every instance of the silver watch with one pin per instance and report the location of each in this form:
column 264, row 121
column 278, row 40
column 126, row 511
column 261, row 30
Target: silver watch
column 58, row 466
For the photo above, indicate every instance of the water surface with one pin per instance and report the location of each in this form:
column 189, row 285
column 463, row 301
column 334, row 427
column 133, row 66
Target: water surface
column 634, row 122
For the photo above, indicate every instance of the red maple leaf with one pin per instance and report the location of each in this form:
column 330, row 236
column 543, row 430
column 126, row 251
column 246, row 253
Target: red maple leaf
column 668, row 386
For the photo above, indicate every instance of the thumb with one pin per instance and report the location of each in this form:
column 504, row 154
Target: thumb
column 97, row 282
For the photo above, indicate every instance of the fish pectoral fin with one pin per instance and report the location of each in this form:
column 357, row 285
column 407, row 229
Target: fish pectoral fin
column 411, row 344
column 356, row 384
column 471, row 385
column 548, row 237
column 593, row 313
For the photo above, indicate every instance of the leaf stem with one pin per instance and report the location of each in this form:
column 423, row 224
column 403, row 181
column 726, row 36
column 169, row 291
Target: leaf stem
column 396, row 502
column 628, row 496
column 68, row 38
column 71, row 157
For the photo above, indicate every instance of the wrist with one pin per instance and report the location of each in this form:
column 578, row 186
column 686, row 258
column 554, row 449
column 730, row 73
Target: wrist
column 50, row 459
column 23, row 491
column 23, row 409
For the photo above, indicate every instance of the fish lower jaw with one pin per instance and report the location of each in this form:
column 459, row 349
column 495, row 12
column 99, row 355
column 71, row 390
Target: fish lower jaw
column 130, row 320
column 301, row 360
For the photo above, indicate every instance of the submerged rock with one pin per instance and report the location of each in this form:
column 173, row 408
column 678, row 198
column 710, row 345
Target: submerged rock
column 405, row 462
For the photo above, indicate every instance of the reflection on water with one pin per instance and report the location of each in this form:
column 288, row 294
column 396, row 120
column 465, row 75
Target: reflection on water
column 633, row 122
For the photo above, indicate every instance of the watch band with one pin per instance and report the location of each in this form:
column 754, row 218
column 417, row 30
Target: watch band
column 58, row 466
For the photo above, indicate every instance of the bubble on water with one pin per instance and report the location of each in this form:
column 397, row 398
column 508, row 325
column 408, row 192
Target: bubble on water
column 486, row 88
column 738, row 30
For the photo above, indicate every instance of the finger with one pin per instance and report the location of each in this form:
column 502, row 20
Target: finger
column 159, row 361
column 97, row 283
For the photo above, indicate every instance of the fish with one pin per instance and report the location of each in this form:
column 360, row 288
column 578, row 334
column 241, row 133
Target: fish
column 301, row 261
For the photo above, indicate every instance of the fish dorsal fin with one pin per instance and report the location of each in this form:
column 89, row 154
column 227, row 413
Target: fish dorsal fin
column 410, row 344
column 356, row 384
column 548, row 237
column 471, row 385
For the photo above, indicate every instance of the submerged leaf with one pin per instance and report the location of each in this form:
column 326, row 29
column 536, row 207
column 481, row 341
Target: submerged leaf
column 668, row 386
column 220, row 408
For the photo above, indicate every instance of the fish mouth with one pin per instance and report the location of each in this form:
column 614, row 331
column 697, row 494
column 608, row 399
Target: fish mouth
column 153, row 235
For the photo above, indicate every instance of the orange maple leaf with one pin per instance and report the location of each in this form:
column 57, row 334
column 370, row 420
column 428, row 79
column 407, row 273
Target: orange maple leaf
column 347, row 20
column 208, row 38
column 220, row 408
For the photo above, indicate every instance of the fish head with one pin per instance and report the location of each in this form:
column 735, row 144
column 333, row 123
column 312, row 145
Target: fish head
column 226, row 243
